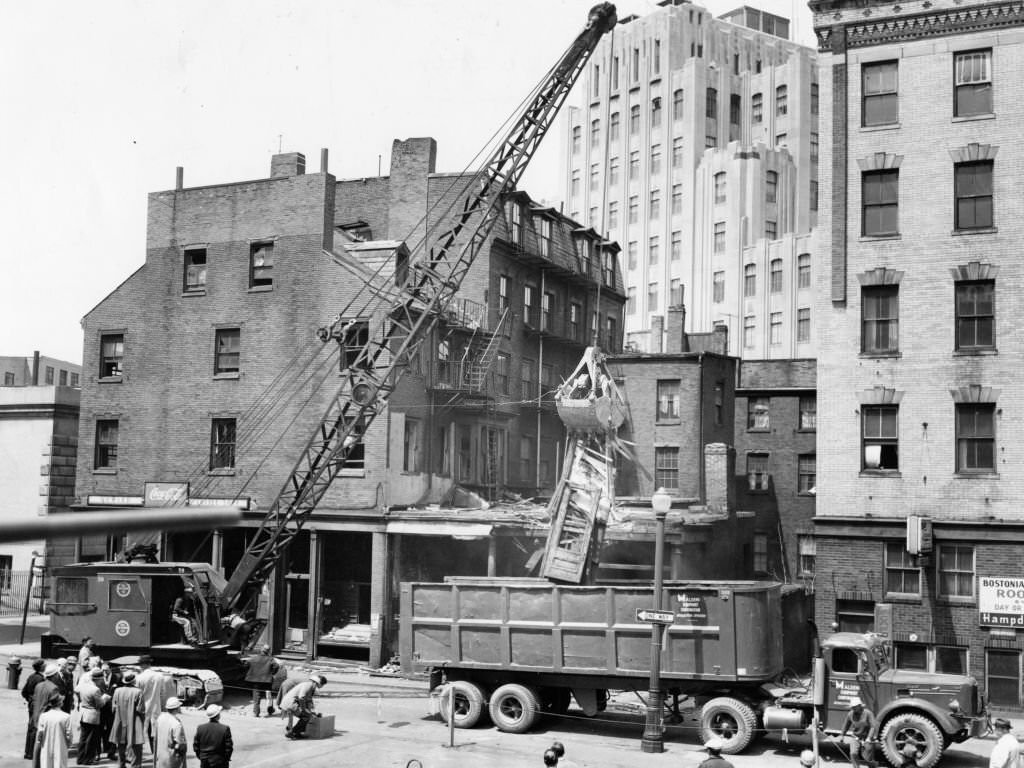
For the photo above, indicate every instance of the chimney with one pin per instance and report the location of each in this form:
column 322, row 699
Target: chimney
column 179, row 178
column 35, row 368
column 675, row 340
column 323, row 160
column 412, row 162
column 719, row 465
column 287, row 164
column 720, row 343
column 657, row 327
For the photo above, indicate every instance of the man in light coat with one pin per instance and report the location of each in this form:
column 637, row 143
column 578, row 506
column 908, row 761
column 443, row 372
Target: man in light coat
column 127, row 727
column 1006, row 752
column 170, row 743
column 299, row 702
column 155, row 688
column 91, row 702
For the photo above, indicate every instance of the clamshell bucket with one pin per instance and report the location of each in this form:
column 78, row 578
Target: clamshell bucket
column 602, row 414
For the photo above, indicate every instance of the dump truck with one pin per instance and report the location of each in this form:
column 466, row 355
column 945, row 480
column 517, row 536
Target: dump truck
column 515, row 649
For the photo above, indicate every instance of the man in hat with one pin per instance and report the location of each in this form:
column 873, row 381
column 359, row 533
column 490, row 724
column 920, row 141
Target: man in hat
column 183, row 614
column 299, row 702
column 863, row 727
column 212, row 742
column 260, row 670
column 91, row 702
column 1007, row 749
column 714, row 747
column 807, row 759
column 27, row 692
column 169, row 741
column 68, row 681
column 127, row 727
column 108, row 682
column 155, row 688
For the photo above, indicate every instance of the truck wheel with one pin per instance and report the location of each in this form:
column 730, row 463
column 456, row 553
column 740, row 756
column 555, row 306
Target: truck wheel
column 728, row 719
column 918, row 730
column 514, row 708
column 469, row 703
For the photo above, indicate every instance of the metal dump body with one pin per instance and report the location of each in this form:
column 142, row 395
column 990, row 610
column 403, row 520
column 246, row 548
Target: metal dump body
column 723, row 631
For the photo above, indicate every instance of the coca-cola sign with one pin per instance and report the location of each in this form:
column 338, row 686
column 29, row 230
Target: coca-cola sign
column 166, row 494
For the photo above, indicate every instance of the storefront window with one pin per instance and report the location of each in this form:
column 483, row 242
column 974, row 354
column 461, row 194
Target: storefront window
column 344, row 594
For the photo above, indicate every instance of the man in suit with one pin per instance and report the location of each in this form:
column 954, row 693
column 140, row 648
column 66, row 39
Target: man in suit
column 126, row 730
column 27, row 693
column 212, row 742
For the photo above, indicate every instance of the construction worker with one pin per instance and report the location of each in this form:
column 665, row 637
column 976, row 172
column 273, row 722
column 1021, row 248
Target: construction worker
column 863, row 727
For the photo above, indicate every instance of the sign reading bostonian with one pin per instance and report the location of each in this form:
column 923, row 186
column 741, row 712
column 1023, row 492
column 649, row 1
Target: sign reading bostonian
column 1000, row 602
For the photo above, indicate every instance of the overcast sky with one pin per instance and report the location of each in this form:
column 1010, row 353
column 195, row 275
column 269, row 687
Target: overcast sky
column 102, row 101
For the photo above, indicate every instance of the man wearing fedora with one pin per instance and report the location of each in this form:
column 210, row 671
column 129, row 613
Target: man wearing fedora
column 1007, row 750
column 212, row 742
column 170, row 743
column 714, row 746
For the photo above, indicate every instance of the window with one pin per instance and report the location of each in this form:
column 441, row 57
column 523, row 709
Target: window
column 758, row 409
column 881, row 101
column 973, row 72
column 634, row 209
column 412, row 446
column 677, row 199
column 62, row 379
column 711, row 141
column 613, row 172
column 776, row 276
column 760, row 563
column 613, row 214
column 781, row 100
column 814, row 147
column 574, row 188
column 652, row 297
column 973, row 182
column 1002, row 677
column 632, row 249
column 592, row 216
column 719, row 237
column 111, row 355
column 881, row 437
column 9, row 379
column 756, row 108
column 631, row 300
column 975, row 315
column 807, row 550
column 611, row 334
column 613, row 127
column 749, row 280
column 655, row 160
column 596, row 81
column 902, row 577
column 913, row 656
column 780, row 140
column 757, row 471
column 514, row 215
column 770, row 229
column 652, row 250
column 634, row 166
column 734, row 116
column 719, row 287
column 74, row 380
column 595, row 134
column 608, row 268
column 227, row 342
column 852, row 616
column 635, row 65
column 527, row 457
column 575, row 315
column 354, row 340
column 502, row 293
column 195, row 269
column 881, row 319
column 105, row 456
column 677, row 153
column 771, row 186
column 956, row 570
column 595, row 178
column 666, row 467
column 803, row 324
column 814, row 195
column 675, row 292
column 677, row 104
column 48, row 375
column 950, row 660
column 529, row 302
column 577, row 133
column 502, row 366
column 615, row 73
column 719, row 398
column 803, row 270
column 677, row 245
column 881, row 202
column 528, row 376
column 261, row 265
column 975, row 438
column 654, row 208
column 775, row 329
column 720, row 188
column 547, row 302
column 808, row 412
column 814, row 99
column 807, row 478
column 656, row 57
column 748, row 331
column 545, row 237
column 222, row 444
column 634, row 120
column 655, row 112
column 668, row 400
column 355, row 459
column 711, row 103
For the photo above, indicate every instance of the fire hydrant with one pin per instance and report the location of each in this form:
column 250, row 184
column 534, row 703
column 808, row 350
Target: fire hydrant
column 13, row 673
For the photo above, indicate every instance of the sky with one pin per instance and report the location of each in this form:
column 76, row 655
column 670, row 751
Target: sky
column 102, row 101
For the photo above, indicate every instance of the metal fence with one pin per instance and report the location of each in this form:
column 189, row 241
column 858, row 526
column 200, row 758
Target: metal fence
column 13, row 586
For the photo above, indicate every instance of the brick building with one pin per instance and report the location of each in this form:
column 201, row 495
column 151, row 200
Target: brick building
column 39, row 370
column 921, row 406
column 695, row 147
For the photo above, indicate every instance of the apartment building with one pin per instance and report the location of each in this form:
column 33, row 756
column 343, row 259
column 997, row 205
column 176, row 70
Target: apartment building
column 39, row 370
column 918, row 523
column 695, row 148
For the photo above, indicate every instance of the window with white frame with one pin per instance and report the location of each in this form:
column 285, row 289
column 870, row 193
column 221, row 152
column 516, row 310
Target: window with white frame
column 631, row 300
column 677, row 104
column 803, row 270
column 749, row 280
column 656, row 112
column 956, row 570
column 808, row 550
column 880, row 311
column 675, row 292
column 879, row 85
column 758, row 475
column 973, row 83
column 808, row 405
column 677, row 245
column 668, row 400
column 975, row 314
column 775, row 328
column 771, row 186
column 677, row 152
column 652, row 297
column 613, row 172
column 756, row 108
column 227, row 345
column 677, row 199
column 654, row 209
column 880, row 438
column 758, row 414
column 261, row 265
column 105, row 453
column 803, row 324
column 807, row 472
column 975, row 438
column 223, row 435
column 613, row 127
column 781, row 100
column 195, row 269
column 653, row 247
column 776, row 275
column 749, row 331
column 902, row 574
column 720, row 181
column 666, row 467
column 632, row 253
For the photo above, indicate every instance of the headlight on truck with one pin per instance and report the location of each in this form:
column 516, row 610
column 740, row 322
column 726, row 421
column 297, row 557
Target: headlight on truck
column 954, row 706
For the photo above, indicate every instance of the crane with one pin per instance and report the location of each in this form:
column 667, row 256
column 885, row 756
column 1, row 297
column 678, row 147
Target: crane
column 425, row 290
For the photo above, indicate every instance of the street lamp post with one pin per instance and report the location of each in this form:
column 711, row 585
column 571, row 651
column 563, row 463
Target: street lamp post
column 654, row 738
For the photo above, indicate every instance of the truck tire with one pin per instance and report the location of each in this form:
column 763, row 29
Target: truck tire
column 469, row 703
column 730, row 720
column 514, row 708
column 910, row 728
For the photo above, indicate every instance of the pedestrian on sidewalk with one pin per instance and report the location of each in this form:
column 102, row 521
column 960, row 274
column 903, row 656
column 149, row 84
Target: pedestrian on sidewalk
column 108, row 683
column 66, row 682
column 280, row 676
column 27, row 693
column 91, row 702
column 1007, row 750
column 714, row 759
column 87, row 651
column 212, row 743
column 53, row 735
column 170, row 741
column 127, row 730
column 260, row 670
column 156, row 688
column 41, row 697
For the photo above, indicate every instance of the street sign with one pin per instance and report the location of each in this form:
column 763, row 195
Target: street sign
column 651, row 616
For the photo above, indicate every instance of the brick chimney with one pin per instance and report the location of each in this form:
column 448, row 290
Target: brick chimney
column 720, row 342
column 412, row 162
column 287, row 164
column 719, row 465
column 675, row 336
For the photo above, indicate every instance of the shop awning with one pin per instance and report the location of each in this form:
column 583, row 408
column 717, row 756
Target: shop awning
column 456, row 530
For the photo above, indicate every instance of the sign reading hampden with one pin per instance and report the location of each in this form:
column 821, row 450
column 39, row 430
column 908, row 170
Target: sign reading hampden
column 1000, row 602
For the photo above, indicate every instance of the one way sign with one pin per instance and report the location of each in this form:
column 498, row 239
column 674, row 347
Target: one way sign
column 652, row 616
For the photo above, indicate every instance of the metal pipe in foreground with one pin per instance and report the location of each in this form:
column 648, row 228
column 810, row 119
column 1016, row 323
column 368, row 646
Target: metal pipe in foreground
column 64, row 525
